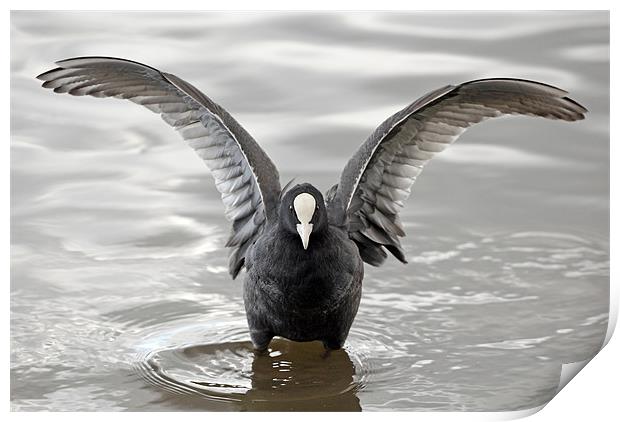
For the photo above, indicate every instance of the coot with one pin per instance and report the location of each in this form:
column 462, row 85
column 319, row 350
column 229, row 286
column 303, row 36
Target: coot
column 303, row 252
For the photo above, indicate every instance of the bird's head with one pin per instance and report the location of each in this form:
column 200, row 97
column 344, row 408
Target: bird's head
column 302, row 212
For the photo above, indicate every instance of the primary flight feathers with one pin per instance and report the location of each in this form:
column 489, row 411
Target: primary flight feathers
column 375, row 182
column 378, row 178
column 244, row 175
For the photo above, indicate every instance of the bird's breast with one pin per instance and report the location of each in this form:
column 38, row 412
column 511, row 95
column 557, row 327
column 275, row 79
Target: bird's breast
column 315, row 278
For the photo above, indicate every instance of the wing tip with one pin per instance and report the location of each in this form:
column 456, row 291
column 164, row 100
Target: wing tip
column 579, row 110
column 84, row 61
column 44, row 76
column 574, row 111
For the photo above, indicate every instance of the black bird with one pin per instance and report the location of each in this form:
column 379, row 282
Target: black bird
column 304, row 253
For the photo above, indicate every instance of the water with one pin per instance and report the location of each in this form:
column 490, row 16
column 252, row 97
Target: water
column 120, row 297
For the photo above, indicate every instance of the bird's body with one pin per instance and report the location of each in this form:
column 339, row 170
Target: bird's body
column 314, row 296
column 304, row 253
column 302, row 291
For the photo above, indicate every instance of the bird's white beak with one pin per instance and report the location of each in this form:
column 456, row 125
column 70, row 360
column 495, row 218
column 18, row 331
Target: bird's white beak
column 304, row 205
column 304, row 231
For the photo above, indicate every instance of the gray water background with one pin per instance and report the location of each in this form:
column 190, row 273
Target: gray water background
column 120, row 297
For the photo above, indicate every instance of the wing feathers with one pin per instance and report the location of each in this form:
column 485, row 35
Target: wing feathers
column 244, row 175
column 378, row 178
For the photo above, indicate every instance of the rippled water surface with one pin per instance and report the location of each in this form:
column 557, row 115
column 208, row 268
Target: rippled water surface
column 120, row 297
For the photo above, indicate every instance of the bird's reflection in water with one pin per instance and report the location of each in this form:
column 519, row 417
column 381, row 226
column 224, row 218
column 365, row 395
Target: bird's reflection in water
column 300, row 376
column 289, row 376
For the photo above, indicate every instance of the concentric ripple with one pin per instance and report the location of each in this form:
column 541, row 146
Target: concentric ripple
column 224, row 368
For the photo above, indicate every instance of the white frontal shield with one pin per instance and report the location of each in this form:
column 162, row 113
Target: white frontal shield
column 304, row 205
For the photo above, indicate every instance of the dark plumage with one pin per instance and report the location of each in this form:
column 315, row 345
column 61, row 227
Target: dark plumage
column 302, row 294
column 304, row 254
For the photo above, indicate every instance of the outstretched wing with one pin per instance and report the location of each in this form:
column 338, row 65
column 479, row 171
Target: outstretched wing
column 244, row 175
column 378, row 178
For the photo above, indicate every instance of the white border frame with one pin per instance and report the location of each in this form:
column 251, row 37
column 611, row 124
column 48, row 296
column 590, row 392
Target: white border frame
column 589, row 396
